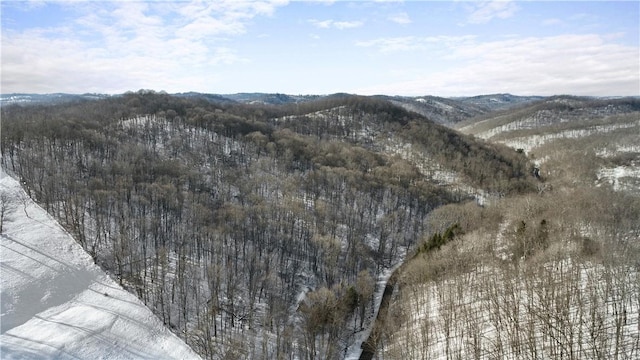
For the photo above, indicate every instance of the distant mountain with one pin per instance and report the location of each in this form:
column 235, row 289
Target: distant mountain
column 245, row 98
column 19, row 98
column 450, row 111
column 274, row 99
column 498, row 101
column 441, row 110
column 209, row 97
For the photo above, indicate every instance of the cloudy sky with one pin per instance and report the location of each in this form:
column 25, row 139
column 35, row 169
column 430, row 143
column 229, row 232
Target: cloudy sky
column 445, row 48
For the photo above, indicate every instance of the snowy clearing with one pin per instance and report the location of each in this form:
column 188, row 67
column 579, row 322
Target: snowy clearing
column 56, row 303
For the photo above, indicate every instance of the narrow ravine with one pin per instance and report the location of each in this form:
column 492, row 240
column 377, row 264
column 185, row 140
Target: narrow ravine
column 370, row 345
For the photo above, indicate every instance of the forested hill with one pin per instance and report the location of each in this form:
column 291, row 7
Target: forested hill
column 253, row 231
column 553, row 113
column 549, row 275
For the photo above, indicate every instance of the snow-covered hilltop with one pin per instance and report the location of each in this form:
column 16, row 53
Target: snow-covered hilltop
column 56, row 303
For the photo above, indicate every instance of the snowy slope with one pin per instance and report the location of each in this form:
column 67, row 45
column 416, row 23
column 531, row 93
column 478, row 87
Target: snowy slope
column 570, row 308
column 56, row 303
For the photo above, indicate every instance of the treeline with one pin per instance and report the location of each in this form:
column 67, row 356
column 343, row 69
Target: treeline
column 252, row 231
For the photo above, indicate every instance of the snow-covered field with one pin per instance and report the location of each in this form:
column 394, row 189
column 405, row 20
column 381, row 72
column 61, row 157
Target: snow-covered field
column 57, row 304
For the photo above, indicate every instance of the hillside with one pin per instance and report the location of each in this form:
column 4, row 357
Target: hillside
column 56, row 303
column 498, row 101
column 547, row 275
column 261, row 230
column 252, row 231
column 441, row 110
column 598, row 138
column 452, row 111
column 550, row 115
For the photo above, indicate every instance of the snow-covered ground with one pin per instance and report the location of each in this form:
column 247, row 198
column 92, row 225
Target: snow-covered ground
column 57, row 304
column 527, row 143
column 354, row 351
column 567, row 310
column 619, row 177
column 433, row 170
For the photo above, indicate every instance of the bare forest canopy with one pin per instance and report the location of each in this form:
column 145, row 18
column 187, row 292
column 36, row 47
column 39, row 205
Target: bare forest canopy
column 547, row 275
column 220, row 215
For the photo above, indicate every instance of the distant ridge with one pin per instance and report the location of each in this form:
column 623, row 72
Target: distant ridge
column 498, row 101
column 495, row 101
column 25, row 99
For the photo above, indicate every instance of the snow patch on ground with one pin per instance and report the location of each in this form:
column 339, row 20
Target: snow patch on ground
column 616, row 177
column 56, row 303
column 616, row 149
column 527, row 143
column 354, row 351
column 431, row 169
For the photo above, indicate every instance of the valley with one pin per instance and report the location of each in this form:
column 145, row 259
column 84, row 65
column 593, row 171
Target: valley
column 265, row 226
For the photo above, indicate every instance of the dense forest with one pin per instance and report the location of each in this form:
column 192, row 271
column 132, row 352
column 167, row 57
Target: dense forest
column 252, row 231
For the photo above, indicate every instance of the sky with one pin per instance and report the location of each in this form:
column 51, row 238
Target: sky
column 410, row 48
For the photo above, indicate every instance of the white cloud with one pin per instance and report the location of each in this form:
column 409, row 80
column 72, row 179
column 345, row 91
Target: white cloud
column 485, row 11
column 412, row 43
column 120, row 46
column 323, row 2
column 400, row 18
column 57, row 65
column 225, row 55
column 324, row 24
column 226, row 17
column 406, row 43
column 347, row 24
column 565, row 64
column 340, row 25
